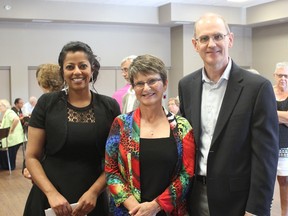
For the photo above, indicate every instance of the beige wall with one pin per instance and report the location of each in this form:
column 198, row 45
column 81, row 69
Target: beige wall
column 269, row 45
column 24, row 45
column 113, row 36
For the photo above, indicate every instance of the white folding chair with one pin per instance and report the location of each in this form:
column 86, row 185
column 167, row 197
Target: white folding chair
column 4, row 132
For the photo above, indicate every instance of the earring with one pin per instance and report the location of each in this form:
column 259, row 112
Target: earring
column 66, row 88
column 92, row 87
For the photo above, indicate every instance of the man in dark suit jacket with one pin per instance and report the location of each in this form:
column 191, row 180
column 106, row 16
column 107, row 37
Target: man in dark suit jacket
column 233, row 115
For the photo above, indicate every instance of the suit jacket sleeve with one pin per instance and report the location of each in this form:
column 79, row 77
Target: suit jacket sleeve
column 264, row 147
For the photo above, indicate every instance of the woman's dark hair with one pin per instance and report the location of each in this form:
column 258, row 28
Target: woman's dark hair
column 75, row 46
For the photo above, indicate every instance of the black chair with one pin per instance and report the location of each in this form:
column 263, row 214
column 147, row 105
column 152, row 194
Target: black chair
column 4, row 133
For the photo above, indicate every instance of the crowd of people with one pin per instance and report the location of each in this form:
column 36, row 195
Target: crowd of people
column 216, row 148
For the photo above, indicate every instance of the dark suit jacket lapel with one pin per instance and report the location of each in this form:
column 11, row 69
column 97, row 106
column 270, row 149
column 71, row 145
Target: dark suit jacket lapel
column 196, row 94
column 232, row 94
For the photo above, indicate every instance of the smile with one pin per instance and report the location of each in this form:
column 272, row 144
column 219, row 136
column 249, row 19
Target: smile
column 78, row 79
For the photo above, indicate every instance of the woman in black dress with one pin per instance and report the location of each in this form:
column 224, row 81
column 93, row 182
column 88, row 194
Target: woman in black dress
column 70, row 128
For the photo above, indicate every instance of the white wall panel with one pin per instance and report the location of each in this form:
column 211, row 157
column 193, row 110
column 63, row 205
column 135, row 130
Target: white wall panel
column 5, row 87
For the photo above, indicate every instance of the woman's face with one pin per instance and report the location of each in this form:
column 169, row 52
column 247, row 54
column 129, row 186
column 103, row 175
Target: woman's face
column 77, row 71
column 149, row 89
column 281, row 78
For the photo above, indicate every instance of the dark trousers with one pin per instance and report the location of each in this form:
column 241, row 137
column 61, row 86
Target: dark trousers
column 197, row 201
column 12, row 155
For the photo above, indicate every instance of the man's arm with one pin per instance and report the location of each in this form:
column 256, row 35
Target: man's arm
column 265, row 149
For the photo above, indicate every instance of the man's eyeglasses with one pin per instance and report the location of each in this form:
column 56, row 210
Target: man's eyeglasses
column 204, row 39
column 151, row 82
column 282, row 75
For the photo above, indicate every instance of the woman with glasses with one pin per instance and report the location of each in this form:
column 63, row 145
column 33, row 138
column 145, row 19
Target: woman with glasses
column 281, row 93
column 149, row 159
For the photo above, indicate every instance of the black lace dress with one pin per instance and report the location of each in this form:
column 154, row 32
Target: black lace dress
column 74, row 168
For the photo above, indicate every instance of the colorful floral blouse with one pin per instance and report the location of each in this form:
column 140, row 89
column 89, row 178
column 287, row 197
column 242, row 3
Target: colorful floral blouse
column 122, row 162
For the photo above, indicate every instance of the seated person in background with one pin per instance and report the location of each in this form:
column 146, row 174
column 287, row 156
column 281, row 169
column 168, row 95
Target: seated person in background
column 29, row 106
column 128, row 104
column 15, row 137
column 149, row 159
column 173, row 105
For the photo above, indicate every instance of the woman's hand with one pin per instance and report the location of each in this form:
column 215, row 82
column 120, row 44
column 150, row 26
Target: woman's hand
column 146, row 209
column 59, row 204
column 86, row 204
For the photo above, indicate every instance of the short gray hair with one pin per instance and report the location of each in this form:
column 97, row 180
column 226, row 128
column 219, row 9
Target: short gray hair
column 282, row 65
column 129, row 58
column 147, row 64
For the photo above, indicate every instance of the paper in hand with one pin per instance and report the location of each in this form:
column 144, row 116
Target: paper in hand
column 50, row 211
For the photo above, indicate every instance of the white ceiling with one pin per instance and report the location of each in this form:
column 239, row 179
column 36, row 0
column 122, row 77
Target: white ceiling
column 156, row 3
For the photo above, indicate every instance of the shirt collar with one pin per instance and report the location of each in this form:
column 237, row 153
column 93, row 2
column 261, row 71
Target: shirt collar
column 225, row 75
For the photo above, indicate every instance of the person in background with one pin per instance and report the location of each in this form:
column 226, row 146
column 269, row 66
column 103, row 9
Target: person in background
column 234, row 119
column 281, row 93
column 70, row 129
column 126, row 91
column 49, row 80
column 29, row 106
column 17, row 108
column 150, row 152
column 15, row 137
column 173, row 105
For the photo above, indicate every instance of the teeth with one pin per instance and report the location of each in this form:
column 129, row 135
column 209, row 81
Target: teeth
column 78, row 79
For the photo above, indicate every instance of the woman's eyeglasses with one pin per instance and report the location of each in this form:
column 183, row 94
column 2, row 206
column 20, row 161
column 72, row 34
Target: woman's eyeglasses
column 150, row 83
column 281, row 75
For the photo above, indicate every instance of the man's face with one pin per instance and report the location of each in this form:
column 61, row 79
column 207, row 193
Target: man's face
column 124, row 69
column 20, row 104
column 213, row 41
column 173, row 107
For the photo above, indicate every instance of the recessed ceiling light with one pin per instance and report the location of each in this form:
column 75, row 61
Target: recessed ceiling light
column 7, row 7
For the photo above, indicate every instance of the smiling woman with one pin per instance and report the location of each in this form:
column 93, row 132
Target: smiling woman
column 64, row 127
column 145, row 145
